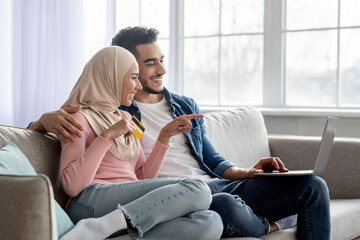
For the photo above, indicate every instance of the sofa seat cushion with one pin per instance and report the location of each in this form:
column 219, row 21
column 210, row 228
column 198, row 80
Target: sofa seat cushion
column 345, row 218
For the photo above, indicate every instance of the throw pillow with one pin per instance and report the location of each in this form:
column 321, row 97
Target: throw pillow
column 13, row 161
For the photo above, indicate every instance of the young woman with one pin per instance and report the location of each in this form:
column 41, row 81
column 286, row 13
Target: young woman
column 111, row 184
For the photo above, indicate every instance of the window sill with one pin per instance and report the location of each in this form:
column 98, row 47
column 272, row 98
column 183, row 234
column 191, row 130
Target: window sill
column 301, row 112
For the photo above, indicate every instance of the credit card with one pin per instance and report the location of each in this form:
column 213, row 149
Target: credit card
column 140, row 129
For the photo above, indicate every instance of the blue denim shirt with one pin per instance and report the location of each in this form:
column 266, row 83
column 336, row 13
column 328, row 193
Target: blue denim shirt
column 208, row 158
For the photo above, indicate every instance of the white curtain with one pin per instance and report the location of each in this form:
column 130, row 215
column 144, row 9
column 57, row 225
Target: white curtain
column 47, row 57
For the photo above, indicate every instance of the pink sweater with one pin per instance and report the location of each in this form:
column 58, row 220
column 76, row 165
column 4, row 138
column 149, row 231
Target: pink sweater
column 87, row 161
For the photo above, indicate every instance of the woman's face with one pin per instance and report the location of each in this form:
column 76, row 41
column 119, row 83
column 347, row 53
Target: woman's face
column 130, row 85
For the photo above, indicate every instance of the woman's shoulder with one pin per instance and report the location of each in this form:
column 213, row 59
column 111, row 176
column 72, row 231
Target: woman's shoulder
column 127, row 115
column 78, row 116
column 81, row 119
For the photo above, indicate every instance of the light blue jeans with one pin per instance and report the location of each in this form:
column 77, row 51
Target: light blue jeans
column 166, row 208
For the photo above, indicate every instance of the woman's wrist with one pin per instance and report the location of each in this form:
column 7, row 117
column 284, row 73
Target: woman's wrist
column 107, row 135
column 164, row 137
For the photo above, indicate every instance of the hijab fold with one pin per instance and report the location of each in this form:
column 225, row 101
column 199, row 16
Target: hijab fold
column 98, row 90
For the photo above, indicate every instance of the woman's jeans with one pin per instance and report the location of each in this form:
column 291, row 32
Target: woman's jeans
column 165, row 208
column 240, row 202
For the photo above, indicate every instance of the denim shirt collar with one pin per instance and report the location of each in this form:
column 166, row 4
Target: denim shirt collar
column 170, row 99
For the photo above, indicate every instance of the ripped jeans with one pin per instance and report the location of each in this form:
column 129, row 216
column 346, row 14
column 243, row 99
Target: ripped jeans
column 166, row 208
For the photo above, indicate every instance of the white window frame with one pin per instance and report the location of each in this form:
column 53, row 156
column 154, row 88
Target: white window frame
column 273, row 66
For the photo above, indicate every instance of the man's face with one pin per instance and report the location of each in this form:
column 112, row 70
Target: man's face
column 151, row 68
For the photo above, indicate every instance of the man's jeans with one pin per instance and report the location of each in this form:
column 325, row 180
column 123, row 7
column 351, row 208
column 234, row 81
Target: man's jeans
column 166, row 208
column 272, row 198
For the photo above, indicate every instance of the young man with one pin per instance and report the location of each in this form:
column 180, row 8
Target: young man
column 238, row 196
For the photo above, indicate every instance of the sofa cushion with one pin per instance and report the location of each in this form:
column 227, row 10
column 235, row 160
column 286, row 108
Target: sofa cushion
column 345, row 218
column 43, row 152
column 242, row 129
column 13, row 161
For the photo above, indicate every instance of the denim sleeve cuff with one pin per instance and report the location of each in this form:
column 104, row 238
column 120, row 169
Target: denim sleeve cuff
column 220, row 169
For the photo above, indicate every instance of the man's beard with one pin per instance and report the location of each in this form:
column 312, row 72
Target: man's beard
column 148, row 89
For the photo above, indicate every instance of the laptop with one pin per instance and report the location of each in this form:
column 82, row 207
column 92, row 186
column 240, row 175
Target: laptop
column 322, row 157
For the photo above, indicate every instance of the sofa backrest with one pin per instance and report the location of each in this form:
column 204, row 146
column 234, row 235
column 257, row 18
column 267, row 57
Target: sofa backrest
column 43, row 152
column 238, row 135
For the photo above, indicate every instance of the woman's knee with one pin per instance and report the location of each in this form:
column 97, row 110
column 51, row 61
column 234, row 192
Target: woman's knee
column 210, row 227
column 201, row 193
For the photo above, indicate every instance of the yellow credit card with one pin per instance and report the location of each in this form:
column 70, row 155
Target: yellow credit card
column 140, row 129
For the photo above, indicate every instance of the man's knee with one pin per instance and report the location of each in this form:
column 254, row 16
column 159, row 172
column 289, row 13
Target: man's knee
column 317, row 191
column 225, row 204
column 237, row 217
column 318, row 185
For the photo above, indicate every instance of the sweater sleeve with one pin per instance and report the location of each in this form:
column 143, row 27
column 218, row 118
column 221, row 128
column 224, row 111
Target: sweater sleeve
column 78, row 163
column 150, row 167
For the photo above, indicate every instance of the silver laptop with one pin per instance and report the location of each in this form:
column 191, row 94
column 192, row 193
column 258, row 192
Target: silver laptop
column 322, row 157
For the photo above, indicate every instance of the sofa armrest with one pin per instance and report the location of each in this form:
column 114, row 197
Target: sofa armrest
column 342, row 172
column 26, row 208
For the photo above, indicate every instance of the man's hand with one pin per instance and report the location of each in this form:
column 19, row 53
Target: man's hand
column 60, row 122
column 179, row 125
column 268, row 164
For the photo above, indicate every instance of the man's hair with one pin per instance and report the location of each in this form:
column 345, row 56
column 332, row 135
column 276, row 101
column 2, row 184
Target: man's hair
column 130, row 37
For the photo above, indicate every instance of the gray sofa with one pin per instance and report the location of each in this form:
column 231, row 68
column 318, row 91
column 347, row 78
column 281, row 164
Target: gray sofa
column 240, row 135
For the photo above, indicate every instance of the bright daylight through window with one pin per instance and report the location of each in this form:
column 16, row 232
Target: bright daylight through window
column 322, row 53
column 221, row 52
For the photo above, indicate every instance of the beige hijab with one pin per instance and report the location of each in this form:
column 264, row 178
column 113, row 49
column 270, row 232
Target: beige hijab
column 98, row 90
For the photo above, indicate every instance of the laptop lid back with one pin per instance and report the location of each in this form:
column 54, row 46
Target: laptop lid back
column 325, row 145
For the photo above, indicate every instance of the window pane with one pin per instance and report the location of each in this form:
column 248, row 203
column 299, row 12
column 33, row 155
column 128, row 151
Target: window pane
column 201, row 70
column 155, row 14
column 311, row 62
column 242, row 70
column 201, row 17
column 127, row 13
column 305, row 14
column 350, row 12
column 242, row 16
column 350, row 67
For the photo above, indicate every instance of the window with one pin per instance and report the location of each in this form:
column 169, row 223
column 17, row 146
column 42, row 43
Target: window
column 279, row 53
column 322, row 66
column 104, row 18
column 223, row 51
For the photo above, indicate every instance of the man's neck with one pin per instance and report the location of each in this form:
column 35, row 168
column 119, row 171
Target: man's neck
column 145, row 97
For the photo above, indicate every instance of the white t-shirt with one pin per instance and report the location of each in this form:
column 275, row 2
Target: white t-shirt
column 179, row 160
